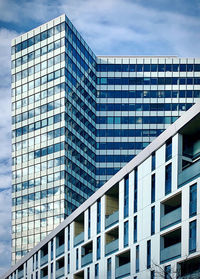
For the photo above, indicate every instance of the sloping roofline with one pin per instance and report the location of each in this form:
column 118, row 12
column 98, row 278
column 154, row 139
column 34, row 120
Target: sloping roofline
column 173, row 129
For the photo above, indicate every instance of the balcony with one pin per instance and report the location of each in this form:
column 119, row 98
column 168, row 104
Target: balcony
column 87, row 259
column 112, row 219
column 44, row 260
column 122, row 271
column 60, row 272
column 20, row 274
column 60, row 250
column 170, row 245
column 170, row 211
column 60, row 267
column 79, row 230
column 122, row 265
column 60, row 242
column 171, row 218
column 112, row 206
column 189, row 268
column 111, row 247
column 78, row 239
column 194, row 275
column 87, row 254
column 112, row 241
column 44, row 255
column 189, row 174
column 171, row 252
column 79, row 275
column 44, row 273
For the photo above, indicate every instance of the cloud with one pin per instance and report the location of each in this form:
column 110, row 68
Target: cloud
column 5, row 108
column 5, row 147
column 5, row 230
column 130, row 27
column 21, row 12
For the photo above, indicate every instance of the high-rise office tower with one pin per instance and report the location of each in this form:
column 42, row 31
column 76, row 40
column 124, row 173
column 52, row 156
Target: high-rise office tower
column 78, row 118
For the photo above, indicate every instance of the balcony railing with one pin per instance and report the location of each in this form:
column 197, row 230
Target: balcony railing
column 171, row 252
column 44, row 277
column 171, row 218
column 112, row 247
column 60, row 250
column 44, row 260
column 78, row 239
column 189, row 174
column 60, row 272
column 112, row 219
column 87, row 259
column 123, row 270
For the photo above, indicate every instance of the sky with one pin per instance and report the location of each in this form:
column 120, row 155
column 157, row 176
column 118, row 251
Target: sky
column 128, row 27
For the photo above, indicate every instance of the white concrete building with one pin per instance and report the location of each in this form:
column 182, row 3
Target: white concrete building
column 142, row 223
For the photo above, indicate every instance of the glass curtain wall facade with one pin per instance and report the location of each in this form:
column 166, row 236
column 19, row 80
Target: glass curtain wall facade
column 78, row 118
column 53, row 130
column 137, row 99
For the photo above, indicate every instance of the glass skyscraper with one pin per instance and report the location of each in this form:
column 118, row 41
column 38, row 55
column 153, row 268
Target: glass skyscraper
column 78, row 118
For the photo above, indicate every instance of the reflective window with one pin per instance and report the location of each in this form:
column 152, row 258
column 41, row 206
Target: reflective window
column 126, row 196
column 148, row 253
column 192, row 236
column 135, row 190
column 137, row 262
column 126, row 232
column 168, row 179
column 152, row 220
column 193, row 200
column 98, row 216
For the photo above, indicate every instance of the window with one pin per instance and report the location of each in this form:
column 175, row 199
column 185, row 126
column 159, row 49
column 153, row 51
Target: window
column 167, row 272
column 36, row 260
column 98, row 248
column 135, row 230
column 168, row 179
column 96, row 271
column 126, row 196
column 168, row 150
column 89, row 222
column 137, row 263
column 77, row 259
column 192, row 236
column 51, row 250
column 153, row 187
column 153, row 220
column 98, row 216
column 109, row 268
column 126, row 234
column 88, row 273
column 68, row 263
column 68, row 240
column 51, row 270
column 152, row 274
column 135, row 190
column 153, row 161
column 148, row 253
column 193, row 200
